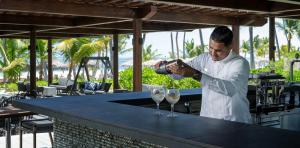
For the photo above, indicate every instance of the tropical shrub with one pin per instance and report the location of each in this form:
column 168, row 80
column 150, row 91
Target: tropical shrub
column 150, row 77
column 281, row 67
column 41, row 83
column 11, row 87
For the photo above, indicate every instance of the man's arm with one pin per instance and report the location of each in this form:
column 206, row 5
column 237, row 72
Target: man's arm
column 239, row 73
column 183, row 69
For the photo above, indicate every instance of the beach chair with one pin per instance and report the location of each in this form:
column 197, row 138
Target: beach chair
column 95, row 87
column 64, row 85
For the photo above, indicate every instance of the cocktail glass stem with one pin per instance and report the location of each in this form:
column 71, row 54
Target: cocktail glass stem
column 157, row 112
column 172, row 112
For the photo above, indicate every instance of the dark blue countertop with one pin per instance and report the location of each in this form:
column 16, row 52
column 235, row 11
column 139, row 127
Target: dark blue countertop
column 186, row 130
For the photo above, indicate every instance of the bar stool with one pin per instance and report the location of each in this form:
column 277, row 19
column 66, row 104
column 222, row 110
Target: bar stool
column 36, row 126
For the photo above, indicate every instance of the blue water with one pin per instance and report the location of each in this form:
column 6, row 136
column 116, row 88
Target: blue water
column 26, row 73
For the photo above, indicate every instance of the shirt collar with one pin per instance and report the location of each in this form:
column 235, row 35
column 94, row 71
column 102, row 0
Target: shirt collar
column 230, row 56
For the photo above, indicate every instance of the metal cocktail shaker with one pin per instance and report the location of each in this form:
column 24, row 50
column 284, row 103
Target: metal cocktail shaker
column 163, row 68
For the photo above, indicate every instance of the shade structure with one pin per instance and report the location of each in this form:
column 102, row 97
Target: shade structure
column 79, row 18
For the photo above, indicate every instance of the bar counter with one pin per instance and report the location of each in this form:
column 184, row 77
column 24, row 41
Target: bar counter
column 99, row 121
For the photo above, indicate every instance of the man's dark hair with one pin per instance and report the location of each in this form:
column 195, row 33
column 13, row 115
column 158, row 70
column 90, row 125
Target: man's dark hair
column 222, row 34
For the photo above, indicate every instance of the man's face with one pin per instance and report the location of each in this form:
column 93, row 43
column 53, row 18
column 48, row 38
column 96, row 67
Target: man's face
column 218, row 51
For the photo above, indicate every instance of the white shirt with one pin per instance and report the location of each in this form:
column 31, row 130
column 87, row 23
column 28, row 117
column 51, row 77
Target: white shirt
column 224, row 87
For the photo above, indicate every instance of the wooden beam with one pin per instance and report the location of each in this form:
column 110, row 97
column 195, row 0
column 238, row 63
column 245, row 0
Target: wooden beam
column 201, row 19
column 26, row 37
column 147, row 12
column 62, row 28
column 258, row 6
column 35, row 20
column 116, row 61
column 283, row 6
column 10, row 27
column 56, row 7
column 50, row 67
column 52, row 21
column 236, row 38
column 137, row 55
column 272, row 39
column 252, row 6
column 49, row 34
column 287, row 14
column 32, row 63
column 252, row 21
column 153, row 26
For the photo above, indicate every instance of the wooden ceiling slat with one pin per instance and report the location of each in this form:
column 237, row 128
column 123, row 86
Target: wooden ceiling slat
column 62, row 8
column 50, row 21
column 61, row 16
column 257, row 6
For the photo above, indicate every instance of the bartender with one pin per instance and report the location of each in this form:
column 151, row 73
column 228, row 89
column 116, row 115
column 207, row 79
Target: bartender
column 224, row 78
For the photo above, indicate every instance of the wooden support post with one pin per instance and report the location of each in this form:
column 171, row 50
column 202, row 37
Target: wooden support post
column 236, row 38
column 137, row 54
column 50, row 67
column 272, row 39
column 32, row 62
column 116, row 61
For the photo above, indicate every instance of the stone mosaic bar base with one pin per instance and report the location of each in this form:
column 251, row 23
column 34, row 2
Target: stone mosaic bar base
column 70, row 135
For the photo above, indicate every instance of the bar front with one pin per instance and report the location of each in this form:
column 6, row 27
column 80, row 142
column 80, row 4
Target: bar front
column 119, row 120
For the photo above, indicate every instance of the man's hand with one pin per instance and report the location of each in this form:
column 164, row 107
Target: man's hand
column 180, row 69
column 157, row 65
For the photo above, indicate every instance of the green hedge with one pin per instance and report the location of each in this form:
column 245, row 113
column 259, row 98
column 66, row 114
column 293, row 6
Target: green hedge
column 150, row 77
column 279, row 67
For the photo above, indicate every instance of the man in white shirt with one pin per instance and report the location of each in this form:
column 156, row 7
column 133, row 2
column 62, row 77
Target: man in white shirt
column 224, row 79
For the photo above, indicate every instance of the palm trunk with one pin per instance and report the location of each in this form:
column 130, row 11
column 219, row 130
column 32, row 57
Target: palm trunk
column 289, row 45
column 143, row 38
column 277, row 44
column 41, row 69
column 177, row 48
column 201, row 37
column 45, row 71
column 183, row 45
column 111, row 50
column 252, row 62
column 104, row 69
column 96, row 66
column 70, row 70
column 74, row 71
column 172, row 46
column 6, row 61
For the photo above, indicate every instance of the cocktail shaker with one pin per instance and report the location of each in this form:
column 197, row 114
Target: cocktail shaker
column 163, row 68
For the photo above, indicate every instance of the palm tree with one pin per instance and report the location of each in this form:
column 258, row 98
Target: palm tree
column 261, row 45
column 245, row 47
column 252, row 62
column 277, row 45
column 201, row 37
column 177, row 47
column 193, row 50
column 122, row 43
column 149, row 54
column 183, row 44
column 289, row 27
column 75, row 49
column 12, row 51
column 42, row 56
column 172, row 54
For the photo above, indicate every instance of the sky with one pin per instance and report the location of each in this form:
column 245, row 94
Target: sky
column 161, row 41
